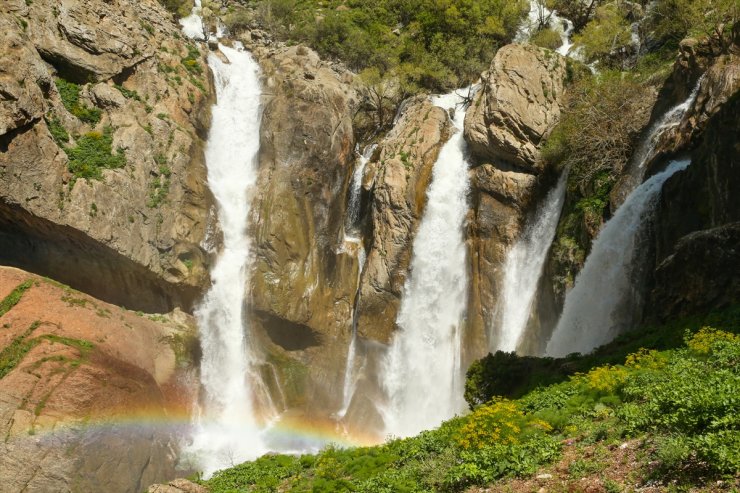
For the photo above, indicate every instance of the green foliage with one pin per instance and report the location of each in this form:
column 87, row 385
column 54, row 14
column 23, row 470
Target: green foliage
column 93, row 153
column 69, row 92
column 57, row 130
column 159, row 187
column 12, row 354
column 437, row 43
column 673, row 20
column 15, row 296
column 606, row 37
column 128, row 94
column 508, row 375
column 190, row 62
column 181, row 8
column 547, row 38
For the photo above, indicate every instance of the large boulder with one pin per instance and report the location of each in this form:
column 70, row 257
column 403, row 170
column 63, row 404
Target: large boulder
column 134, row 235
column 518, row 105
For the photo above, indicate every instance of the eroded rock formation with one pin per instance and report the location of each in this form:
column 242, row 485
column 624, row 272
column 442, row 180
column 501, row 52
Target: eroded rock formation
column 81, row 379
column 73, row 74
column 518, row 104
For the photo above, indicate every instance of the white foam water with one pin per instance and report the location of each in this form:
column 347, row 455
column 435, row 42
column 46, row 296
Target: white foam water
column 421, row 374
column 607, row 293
column 225, row 431
column 523, row 269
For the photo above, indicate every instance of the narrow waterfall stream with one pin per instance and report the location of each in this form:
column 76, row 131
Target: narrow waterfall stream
column 353, row 216
column 421, row 374
column 225, row 431
column 607, row 292
column 523, row 269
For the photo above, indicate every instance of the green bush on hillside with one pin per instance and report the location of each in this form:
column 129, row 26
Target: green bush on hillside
column 436, row 44
column 684, row 403
column 93, row 153
column 69, row 92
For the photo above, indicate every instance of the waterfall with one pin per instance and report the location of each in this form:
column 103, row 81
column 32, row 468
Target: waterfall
column 607, row 292
column 192, row 25
column 225, row 431
column 421, row 372
column 562, row 26
column 355, row 192
column 671, row 119
column 353, row 217
column 523, row 268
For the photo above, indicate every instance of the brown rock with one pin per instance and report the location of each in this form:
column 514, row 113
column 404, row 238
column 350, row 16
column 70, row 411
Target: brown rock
column 400, row 177
column 517, row 106
column 89, row 366
column 304, row 280
column 133, row 237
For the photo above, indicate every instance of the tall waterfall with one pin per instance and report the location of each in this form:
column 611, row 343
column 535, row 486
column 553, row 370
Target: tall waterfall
column 353, row 216
column 608, row 289
column 421, row 373
column 225, row 431
column 523, row 269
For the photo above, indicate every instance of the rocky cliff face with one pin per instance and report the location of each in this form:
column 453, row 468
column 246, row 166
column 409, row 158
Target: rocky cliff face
column 516, row 107
column 80, row 382
column 304, row 279
column 396, row 181
column 102, row 124
column 698, row 225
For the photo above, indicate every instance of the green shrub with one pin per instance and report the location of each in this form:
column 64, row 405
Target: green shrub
column 181, row 8
column 93, row 153
column 57, row 130
column 190, row 62
column 128, row 94
column 70, row 95
column 14, row 353
column 547, row 38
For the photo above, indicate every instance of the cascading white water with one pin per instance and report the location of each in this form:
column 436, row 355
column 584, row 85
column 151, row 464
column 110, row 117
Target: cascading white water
column 421, row 373
column 562, row 26
column 671, row 119
column 225, row 430
column 192, row 25
column 608, row 289
column 523, row 268
column 353, row 205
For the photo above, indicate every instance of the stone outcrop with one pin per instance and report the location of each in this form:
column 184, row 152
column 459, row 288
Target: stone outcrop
column 134, row 235
column 698, row 225
column 303, row 281
column 85, row 370
column 517, row 106
column 397, row 180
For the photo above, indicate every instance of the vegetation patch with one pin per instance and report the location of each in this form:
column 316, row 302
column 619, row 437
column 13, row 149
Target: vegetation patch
column 93, row 153
column 70, row 95
column 680, row 405
column 14, row 353
column 57, row 130
column 15, row 296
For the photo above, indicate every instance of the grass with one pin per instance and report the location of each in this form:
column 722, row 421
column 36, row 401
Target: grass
column 70, row 95
column 505, row 374
column 12, row 354
column 681, row 403
column 93, row 153
column 15, row 296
